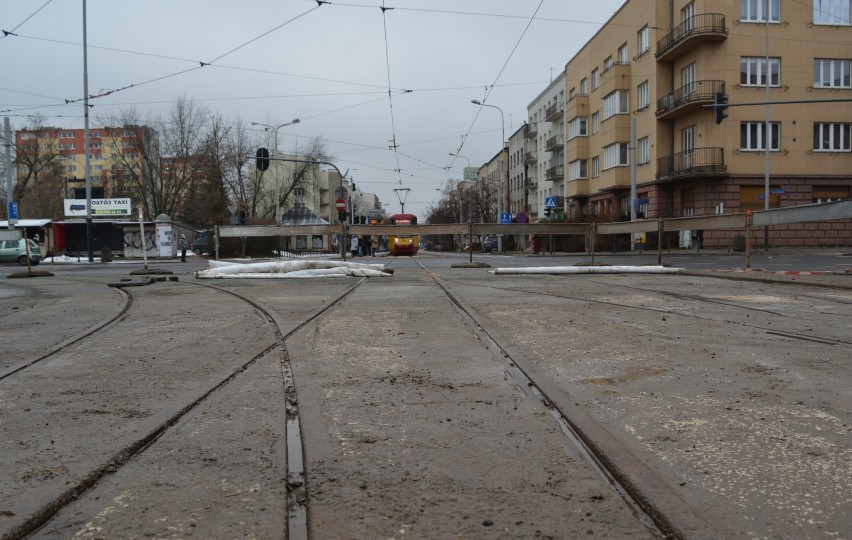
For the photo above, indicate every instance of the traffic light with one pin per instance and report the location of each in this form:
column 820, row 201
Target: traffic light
column 242, row 217
column 262, row 159
column 547, row 212
column 721, row 103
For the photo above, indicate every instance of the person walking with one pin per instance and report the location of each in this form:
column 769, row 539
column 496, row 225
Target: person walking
column 536, row 241
column 183, row 245
column 353, row 246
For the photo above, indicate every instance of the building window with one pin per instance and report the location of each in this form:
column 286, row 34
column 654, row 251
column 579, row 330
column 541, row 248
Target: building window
column 596, row 79
column 753, row 71
column 755, row 10
column 67, row 146
column 27, row 136
column 642, row 151
column 596, row 166
column 596, row 122
column 578, row 169
column 830, row 73
column 616, row 103
column 607, row 63
column 832, row 12
column 578, row 127
column 584, row 86
column 642, row 40
column 615, row 155
column 643, row 95
column 70, row 168
column 824, row 194
column 832, row 137
column 572, row 93
column 753, row 136
column 622, row 55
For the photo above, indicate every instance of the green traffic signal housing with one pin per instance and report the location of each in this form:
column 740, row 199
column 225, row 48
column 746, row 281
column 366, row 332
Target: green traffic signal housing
column 720, row 105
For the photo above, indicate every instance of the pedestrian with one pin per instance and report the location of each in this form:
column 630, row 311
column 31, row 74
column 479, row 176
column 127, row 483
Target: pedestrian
column 536, row 244
column 354, row 246
column 368, row 245
column 373, row 242
column 182, row 245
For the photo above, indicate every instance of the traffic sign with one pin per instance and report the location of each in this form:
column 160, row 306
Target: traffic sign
column 550, row 202
column 13, row 212
column 506, row 217
column 340, row 205
column 521, row 217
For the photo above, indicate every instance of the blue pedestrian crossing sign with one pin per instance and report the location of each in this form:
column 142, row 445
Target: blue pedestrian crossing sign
column 550, row 202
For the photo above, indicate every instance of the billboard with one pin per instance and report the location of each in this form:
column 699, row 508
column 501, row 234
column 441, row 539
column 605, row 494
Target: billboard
column 100, row 207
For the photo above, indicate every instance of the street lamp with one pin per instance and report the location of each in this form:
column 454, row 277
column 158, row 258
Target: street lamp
column 466, row 159
column 499, row 183
column 275, row 129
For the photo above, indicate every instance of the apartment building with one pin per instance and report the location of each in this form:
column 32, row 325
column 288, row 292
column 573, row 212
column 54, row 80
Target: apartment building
column 545, row 152
column 648, row 75
column 113, row 155
column 517, row 192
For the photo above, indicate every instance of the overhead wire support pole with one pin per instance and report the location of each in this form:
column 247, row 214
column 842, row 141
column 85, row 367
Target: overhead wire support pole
column 86, row 167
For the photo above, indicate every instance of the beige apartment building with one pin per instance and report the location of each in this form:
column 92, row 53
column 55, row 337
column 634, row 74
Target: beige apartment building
column 656, row 64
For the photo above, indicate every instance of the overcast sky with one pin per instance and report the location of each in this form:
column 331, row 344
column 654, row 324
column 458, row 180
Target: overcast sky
column 356, row 75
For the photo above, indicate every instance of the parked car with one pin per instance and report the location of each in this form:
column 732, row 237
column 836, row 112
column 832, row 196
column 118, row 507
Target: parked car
column 203, row 244
column 16, row 251
column 489, row 244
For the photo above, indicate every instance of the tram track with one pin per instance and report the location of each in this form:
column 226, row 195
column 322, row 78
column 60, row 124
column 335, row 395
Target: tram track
column 696, row 298
column 84, row 334
column 664, row 514
column 131, row 450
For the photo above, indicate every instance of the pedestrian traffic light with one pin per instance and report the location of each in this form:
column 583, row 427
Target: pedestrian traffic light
column 720, row 104
column 262, row 159
column 242, row 217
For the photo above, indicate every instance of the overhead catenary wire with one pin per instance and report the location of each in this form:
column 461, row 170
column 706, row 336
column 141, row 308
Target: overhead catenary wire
column 394, row 143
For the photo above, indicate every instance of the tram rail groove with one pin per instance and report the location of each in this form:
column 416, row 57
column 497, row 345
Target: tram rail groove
column 650, row 498
column 296, row 485
column 128, row 302
column 771, row 331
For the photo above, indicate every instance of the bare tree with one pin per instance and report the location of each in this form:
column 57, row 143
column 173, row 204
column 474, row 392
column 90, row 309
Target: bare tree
column 163, row 167
column 39, row 183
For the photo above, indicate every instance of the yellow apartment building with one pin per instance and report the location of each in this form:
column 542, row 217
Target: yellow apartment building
column 650, row 72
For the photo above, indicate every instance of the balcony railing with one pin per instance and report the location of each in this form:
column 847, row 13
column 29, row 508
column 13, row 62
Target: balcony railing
column 555, row 173
column 695, row 162
column 530, row 130
column 530, row 157
column 694, row 30
column 553, row 143
column 554, row 112
column 688, row 97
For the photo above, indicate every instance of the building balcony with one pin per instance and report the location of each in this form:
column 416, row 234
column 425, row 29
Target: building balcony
column 554, row 112
column 688, row 98
column 530, row 130
column 530, row 157
column 695, row 162
column 577, row 188
column 553, row 144
column 578, row 106
column 578, row 148
column 555, row 173
column 695, row 31
column 617, row 77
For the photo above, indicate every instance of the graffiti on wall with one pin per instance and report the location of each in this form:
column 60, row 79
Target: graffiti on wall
column 133, row 240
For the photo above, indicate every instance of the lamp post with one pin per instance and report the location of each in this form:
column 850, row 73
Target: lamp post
column 275, row 129
column 465, row 158
column 499, row 183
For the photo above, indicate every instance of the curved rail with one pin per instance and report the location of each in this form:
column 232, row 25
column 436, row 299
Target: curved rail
column 128, row 301
column 297, row 509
